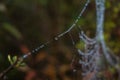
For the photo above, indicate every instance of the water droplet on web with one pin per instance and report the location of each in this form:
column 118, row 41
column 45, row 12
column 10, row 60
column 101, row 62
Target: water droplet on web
column 36, row 49
column 74, row 70
column 56, row 38
column 25, row 56
column 33, row 51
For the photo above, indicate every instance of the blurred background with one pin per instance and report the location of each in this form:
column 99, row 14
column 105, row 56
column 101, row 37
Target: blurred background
column 26, row 24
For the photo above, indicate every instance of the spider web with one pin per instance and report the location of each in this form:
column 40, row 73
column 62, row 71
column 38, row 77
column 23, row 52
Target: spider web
column 91, row 55
column 89, row 58
column 60, row 35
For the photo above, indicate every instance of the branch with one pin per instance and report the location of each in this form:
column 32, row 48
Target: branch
column 60, row 35
column 2, row 74
column 45, row 44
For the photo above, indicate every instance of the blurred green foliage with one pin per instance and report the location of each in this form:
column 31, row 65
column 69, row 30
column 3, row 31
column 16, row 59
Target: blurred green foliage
column 12, row 30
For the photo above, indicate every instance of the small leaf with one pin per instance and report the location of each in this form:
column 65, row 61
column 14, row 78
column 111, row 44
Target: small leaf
column 14, row 58
column 19, row 63
column 23, row 64
column 10, row 60
column 12, row 30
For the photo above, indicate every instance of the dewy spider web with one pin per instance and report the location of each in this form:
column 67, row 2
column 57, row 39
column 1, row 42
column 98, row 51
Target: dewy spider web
column 88, row 60
column 50, row 41
column 60, row 35
column 91, row 53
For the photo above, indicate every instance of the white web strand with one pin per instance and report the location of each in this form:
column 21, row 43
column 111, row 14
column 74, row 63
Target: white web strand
column 60, row 35
column 100, row 9
column 76, row 21
column 86, row 39
column 88, row 57
column 73, row 42
column 36, row 49
column 100, row 19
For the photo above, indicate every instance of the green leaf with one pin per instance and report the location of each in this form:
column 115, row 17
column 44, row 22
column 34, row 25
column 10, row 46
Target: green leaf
column 22, row 64
column 14, row 58
column 10, row 60
column 12, row 30
column 19, row 63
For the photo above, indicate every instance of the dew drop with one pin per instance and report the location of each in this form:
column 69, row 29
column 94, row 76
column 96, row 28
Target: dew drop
column 56, row 38
column 74, row 70
column 33, row 51
column 25, row 56
column 36, row 49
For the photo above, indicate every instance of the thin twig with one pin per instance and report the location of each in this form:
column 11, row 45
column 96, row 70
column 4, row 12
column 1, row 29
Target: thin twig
column 2, row 74
column 62, row 34
column 7, row 70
